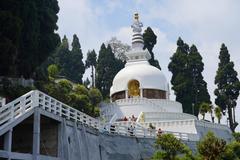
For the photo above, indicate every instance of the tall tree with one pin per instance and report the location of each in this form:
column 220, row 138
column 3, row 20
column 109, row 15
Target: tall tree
column 10, row 30
column 91, row 61
column 218, row 114
column 36, row 38
column 75, row 68
column 187, row 81
column 181, row 81
column 107, row 68
column 228, row 86
column 199, row 93
column 204, row 108
column 62, row 56
column 150, row 39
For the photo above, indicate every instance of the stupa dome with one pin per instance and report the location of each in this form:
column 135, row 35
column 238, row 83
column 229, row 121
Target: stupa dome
column 138, row 78
column 149, row 77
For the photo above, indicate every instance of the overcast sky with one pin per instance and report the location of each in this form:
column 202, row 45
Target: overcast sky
column 205, row 23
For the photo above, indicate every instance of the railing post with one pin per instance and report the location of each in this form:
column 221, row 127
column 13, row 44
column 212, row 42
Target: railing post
column 22, row 105
column 35, row 99
column 8, row 141
column 36, row 134
column 2, row 102
column 12, row 112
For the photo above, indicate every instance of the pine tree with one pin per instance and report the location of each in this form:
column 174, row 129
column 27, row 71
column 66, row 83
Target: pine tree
column 31, row 37
column 199, row 93
column 150, row 39
column 181, row 81
column 61, row 57
column 75, row 68
column 187, row 81
column 107, row 68
column 218, row 114
column 9, row 35
column 228, row 86
column 91, row 61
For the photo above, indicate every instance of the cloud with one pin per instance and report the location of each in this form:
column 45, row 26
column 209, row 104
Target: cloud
column 81, row 18
column 205, row 23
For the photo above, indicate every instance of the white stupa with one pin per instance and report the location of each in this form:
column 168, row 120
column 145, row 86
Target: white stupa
column 141, row 90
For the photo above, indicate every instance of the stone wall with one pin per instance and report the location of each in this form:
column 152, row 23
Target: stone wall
column 83, row 143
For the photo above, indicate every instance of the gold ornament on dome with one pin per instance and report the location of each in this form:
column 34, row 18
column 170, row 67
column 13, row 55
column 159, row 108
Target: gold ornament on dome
column 133, row 88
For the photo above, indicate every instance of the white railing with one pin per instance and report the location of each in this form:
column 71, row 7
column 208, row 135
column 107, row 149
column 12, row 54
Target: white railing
column 32, row 99
column 169, row 123
column 2, row 101
column 130, row 128
column 18, row 107
column 58, row 108
column 184, row 136
column 132, row 101
column 212, row 125
column 160, row 116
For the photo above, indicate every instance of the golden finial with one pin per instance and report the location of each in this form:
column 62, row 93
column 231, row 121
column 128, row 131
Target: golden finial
column 136, row 17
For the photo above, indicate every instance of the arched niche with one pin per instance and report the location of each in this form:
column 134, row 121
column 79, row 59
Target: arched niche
column 133, row 88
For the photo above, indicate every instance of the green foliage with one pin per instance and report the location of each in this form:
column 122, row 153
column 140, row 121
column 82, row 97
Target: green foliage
column 60, row 90
column 95, row 98
column 78, row 97
column 218, row 113
column 236, row 136
column 228, row 86
column 232, row 151
column 80, row 102
column 81, row 89
column 70, row 62
column 107, row 67
column 52, row 70
column 199, row 90
column 9, row 35
column 211, row 147
column 150, row 39
column 12, row 91
column 204, row 108
column 169, row 147
column 75, row 68
column 65, row 85
column 61, row 56
column 187, row 81
column 28, row 34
